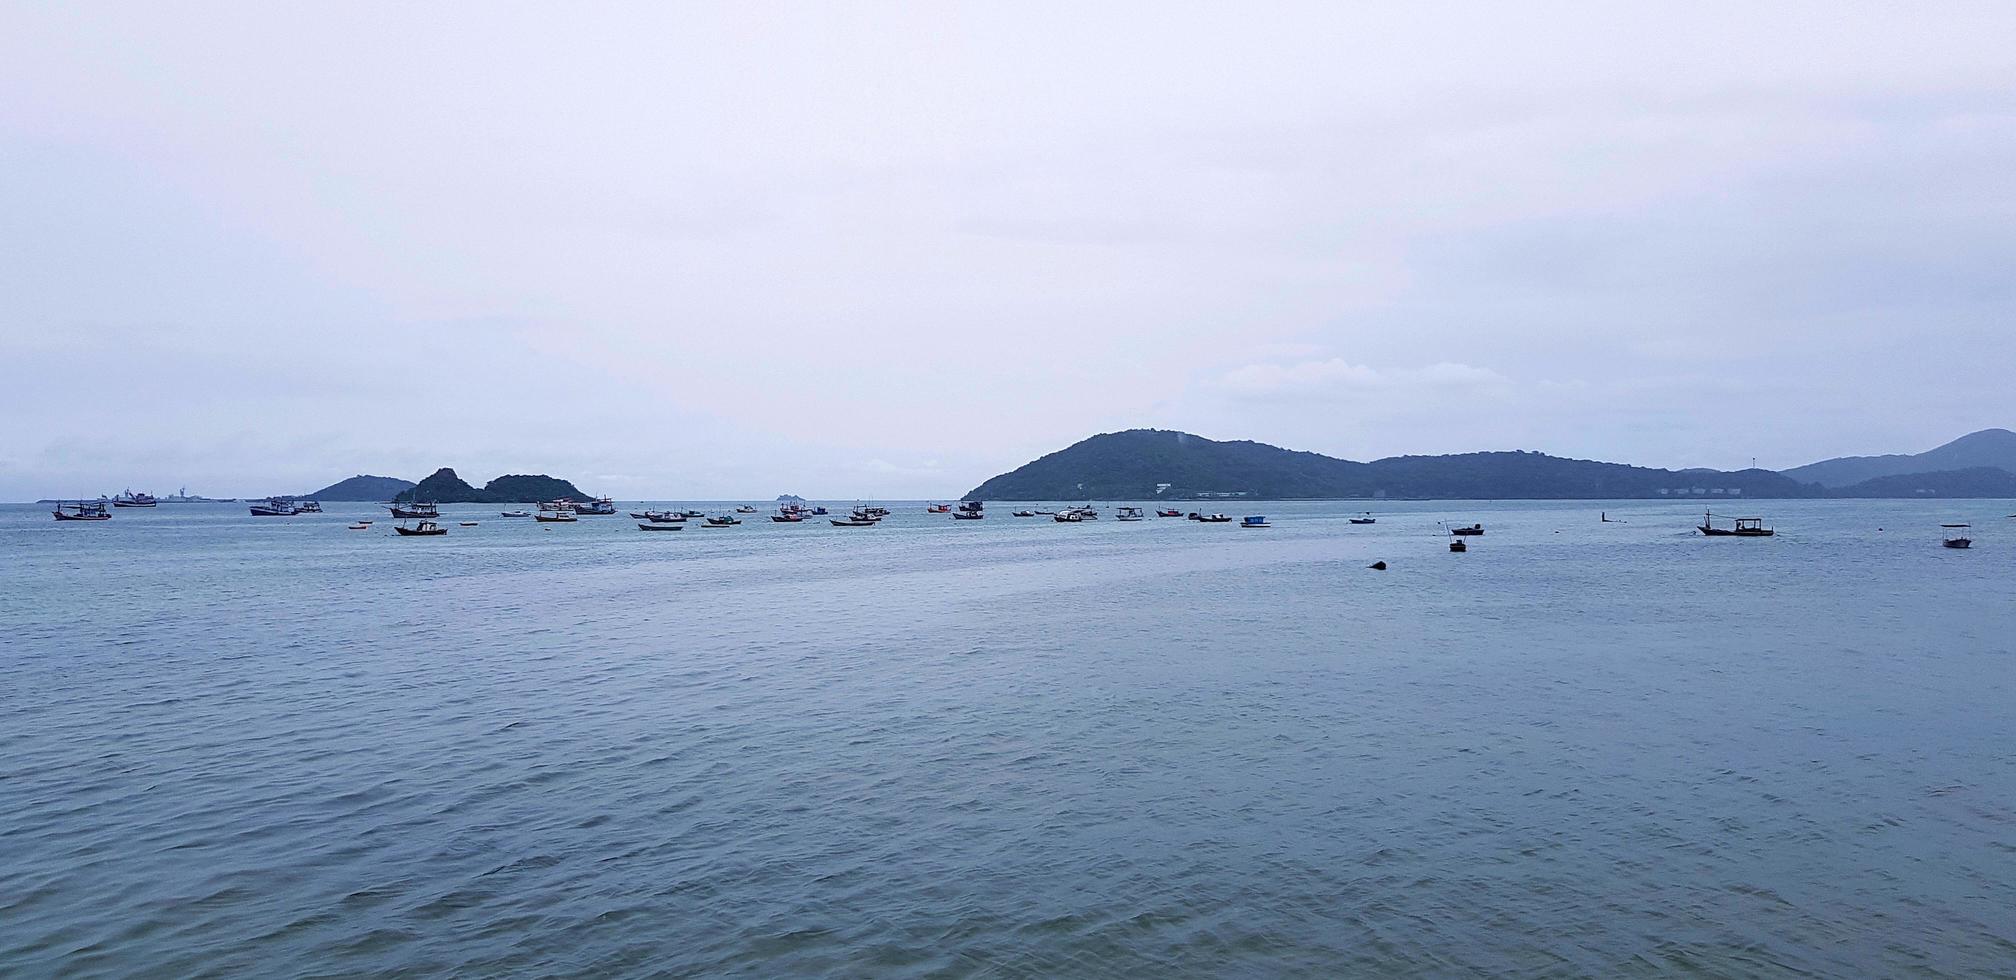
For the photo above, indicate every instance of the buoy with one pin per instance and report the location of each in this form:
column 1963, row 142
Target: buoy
column 1378, row 566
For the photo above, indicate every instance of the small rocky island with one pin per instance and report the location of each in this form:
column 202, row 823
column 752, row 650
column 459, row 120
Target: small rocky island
column 444, row 487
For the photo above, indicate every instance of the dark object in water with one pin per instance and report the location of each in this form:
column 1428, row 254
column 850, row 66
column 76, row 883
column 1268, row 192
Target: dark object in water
column 1378, row 566
column 1457, row 545
column 1473, row 529
column 1952, row 540
column 425, row 529
column 1367, row 519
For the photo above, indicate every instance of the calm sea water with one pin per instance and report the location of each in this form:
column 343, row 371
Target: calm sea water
column 268, row 747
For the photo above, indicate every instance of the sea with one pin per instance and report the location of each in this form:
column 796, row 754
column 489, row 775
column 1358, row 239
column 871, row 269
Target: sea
column 261, row 747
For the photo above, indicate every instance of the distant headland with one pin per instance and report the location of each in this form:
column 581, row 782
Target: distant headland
column 1147, row 464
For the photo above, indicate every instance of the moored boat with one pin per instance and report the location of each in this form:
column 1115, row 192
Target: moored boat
column 1172, row 512
column 424, row 529
column 515, row 513
column 1256, row 520
column 555, row 512
column 722, row 521
column 415, row 510
column 598, row 507
column 278, row 507
column 655, row 526
column 745, row 509
column 1128, row 514
column 307, row 507
column 1953, row 540
column 1468, row 532
column 1367, row 519
column 131, row 499
column 853, row 522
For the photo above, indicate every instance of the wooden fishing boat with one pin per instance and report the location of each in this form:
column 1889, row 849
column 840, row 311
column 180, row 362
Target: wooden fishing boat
column 1953, row 540
column 82, row 510
column 1471, row 531
column 1746, row 527
column 424, row 529
column 852, row 522
column 276, row 507
column 660, row 527
column 722, row 521
column 1172, row 512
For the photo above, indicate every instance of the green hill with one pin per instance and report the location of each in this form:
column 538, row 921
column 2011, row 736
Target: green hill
column 365, row 488
column 1143, row 464
column 444, row 487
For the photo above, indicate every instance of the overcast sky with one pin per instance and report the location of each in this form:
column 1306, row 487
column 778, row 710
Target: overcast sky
column 736, row 250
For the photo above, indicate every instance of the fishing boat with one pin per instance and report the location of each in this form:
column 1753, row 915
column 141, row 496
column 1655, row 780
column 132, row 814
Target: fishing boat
column 745, row 509
column 131, row 499
column 1067, row 517
column 1367, row 519
column 82, row 510
column 938, row 508
column 1172, row 512
column 660, row 527
column 277, row 507
column 416, row 510
column 599, row 507
column 1953, row 539
column 468, row 523
column 1468, row 532
column 722, row 521
column 853, row 522
column 555, row 512
column 1210, row 518
column 515, row 513
column 1746, row 527
column 1256, row 520
column 1128, row 514
column 308, row 507
column 970, row 507
column 792, row 517
column 1456, row 545
column 691, row 513
column 424, row 529
column 1024, row 513
column 361, row 526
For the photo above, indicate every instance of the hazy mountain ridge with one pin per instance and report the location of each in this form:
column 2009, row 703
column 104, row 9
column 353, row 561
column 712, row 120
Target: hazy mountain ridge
column 362, row 488
column 1141, row 464
column 1987, row 448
